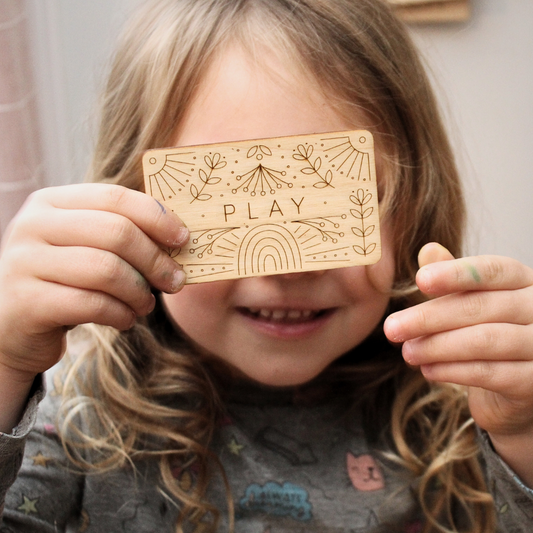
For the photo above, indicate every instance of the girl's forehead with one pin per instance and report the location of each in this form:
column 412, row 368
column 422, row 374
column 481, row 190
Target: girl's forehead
column 244, row 96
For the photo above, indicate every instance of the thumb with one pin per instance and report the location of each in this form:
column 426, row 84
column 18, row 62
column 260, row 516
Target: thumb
column 433, row 252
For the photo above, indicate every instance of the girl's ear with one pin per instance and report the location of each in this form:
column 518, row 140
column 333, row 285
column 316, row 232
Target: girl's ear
column 433, row 252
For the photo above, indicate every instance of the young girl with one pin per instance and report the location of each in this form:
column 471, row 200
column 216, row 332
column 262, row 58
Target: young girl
column 265, row 404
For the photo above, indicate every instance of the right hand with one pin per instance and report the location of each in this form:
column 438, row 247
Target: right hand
column 79, row 254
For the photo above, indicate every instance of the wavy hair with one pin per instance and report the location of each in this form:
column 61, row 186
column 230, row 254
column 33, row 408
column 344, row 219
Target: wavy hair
column 130, row 405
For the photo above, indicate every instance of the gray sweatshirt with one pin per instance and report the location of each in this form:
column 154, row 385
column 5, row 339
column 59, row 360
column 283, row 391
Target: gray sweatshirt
column 291, row 468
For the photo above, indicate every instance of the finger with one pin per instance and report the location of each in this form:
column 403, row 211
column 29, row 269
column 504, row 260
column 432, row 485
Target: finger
column 433, row 252
column 501, row 377
column 159, row 223
column 62, row 305
column 473, row 273
column 505, row 342
column 96, row 270
column 119, row 235
column 460, row 310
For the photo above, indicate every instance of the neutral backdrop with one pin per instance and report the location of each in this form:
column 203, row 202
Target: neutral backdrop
column 482, row 70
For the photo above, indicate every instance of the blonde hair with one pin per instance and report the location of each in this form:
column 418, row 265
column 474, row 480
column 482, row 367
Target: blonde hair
column 361, row 56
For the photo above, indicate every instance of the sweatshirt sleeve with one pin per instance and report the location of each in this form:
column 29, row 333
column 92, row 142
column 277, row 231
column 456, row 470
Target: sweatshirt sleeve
column 12, row 445
column 38, row 492
column 512, row 498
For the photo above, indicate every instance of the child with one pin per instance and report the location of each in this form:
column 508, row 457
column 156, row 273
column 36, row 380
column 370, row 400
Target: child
column 270, row 403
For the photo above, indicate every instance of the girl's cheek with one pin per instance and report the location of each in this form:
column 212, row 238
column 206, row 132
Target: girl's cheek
column 381, row 274
column 202, row 300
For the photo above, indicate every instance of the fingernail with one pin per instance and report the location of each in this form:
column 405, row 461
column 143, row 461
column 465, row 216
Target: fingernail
column 407, row 353
column 178, row 280
column 391, row 328
column 182, row 236
column 427, row 371
column 424, row 278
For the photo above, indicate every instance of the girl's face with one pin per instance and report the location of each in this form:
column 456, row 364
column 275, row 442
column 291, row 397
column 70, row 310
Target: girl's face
column 283, row 329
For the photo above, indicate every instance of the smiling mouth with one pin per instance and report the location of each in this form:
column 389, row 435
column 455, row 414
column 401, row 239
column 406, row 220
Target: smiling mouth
column 285, row 316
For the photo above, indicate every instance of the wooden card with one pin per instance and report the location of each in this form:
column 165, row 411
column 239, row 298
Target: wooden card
column 271, row 206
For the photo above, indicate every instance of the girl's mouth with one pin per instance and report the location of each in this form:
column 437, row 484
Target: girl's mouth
column 282, row 315
column 287, row 323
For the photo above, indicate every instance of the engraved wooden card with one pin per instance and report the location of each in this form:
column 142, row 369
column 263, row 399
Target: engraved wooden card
column 271, row 206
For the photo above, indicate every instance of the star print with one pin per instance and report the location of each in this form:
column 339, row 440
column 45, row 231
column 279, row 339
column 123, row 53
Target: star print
column 40, row 460
column 234, row 447
column 28, row 506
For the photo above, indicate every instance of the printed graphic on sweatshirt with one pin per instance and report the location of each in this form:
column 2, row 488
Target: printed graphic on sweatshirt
column 28, row 506
column 41, row 460
column 234, row 446
column 295, row 452
column 280, row 500
column 364, row 472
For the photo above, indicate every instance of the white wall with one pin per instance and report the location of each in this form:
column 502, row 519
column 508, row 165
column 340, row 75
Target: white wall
column 483, row 71
column 72, row 43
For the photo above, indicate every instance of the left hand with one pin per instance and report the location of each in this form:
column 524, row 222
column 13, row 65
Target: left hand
column 476, row 331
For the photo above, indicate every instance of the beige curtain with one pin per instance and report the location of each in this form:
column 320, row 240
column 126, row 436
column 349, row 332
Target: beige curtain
column 20, row 152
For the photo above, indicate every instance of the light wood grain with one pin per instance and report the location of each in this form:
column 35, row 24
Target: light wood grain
column 271, row 206
column 432, row 11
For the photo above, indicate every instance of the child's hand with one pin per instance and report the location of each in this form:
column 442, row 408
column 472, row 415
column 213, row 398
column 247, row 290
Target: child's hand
column 78, row 254
column 477, row 331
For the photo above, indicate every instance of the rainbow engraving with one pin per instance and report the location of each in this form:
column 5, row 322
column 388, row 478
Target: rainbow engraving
column 268, row 248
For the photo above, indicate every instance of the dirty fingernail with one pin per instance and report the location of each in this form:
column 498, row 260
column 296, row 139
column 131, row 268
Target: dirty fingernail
column 178, row 280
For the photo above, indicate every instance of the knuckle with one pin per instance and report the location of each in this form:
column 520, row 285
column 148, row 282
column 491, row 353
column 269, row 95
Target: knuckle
column 493, row 270
column 115, row 196
column 472, row 305
column 458, row 273
column 97, row 302
column 104, row 310
column 484, row 370
column 422, row 319
column 121, row 233
column 110, row 267
column 482, row 339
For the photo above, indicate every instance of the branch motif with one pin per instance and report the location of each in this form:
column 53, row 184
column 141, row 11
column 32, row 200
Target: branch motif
column 261, row 178
column 360, row 213
column 320, row 223
column 212, row 235
column 213, row 163
column 304, row 154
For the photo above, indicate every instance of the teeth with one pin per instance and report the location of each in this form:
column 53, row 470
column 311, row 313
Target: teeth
column 282, row 314
column 279, row 314
column 265, row 313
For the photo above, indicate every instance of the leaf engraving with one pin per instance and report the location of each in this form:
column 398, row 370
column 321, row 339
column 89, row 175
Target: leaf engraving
column 213, row 163
column 304, row 154
column 361, row 213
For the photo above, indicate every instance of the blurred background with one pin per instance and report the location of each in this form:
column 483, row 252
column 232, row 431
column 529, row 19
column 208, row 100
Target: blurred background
column 54, row 56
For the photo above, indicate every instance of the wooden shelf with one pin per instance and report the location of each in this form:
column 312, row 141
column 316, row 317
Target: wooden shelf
column 432, row 11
